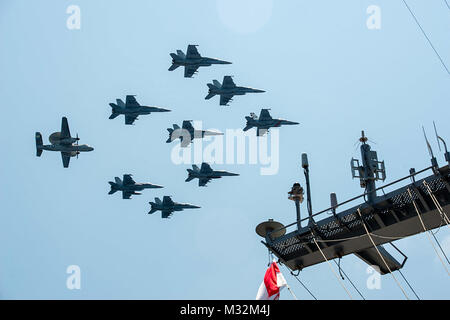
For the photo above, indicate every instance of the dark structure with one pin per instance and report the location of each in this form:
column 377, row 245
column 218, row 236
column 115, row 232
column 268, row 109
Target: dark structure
column 386, row 217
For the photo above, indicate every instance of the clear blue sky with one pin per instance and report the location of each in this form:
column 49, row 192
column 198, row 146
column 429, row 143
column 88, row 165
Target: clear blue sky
column 320, row 66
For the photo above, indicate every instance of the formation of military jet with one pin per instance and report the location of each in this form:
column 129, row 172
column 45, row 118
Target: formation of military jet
column 168, row 207
column 131, row 109
column 227, row 90
column 264, row 122
column 129, row 187
column 187, row 133
column 192, row 60
column 205, row 174
column 63, row 142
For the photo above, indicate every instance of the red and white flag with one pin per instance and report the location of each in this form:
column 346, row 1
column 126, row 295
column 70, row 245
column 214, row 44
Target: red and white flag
column 272, row 284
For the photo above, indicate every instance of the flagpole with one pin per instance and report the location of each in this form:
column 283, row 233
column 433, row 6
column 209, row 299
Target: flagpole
column 289, row 288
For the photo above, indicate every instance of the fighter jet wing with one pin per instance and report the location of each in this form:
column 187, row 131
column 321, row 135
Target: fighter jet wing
column 126, row 194
column 65, row 159
column 127, row 180
column 65, row 132
column 265, row 115
column 190, row 70
column 129, row 119
column 225, row 98
column 167, row 201
column 228, row 83
column 131, row 102
column 192, row 52
column 166, row 214
column 203, row 181
column 205, row 168
column 188, row 125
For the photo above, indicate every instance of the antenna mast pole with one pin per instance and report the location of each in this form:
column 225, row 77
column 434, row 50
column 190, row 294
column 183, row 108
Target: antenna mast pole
column 368, row 176
column 305, row 166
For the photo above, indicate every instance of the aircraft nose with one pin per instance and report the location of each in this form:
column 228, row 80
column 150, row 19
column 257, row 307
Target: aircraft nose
column 165, row 110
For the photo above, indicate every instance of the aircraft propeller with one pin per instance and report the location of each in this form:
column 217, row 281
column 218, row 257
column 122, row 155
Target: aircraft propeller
column 76, row 143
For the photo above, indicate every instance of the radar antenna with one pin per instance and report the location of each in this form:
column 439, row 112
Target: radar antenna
column 439, row 138
column 371, row 169
column 430, row 151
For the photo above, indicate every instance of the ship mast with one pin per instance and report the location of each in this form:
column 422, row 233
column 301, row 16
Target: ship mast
column 370, row 171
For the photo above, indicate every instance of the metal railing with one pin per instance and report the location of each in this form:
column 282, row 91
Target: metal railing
column 349, row 200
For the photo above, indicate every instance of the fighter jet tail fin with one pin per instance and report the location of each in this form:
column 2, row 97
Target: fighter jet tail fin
column 248, row 126
column 120, row 103
column 190, row 177
column 113, row 187
column 39, row 144
column 114, row 110
column 154, row 205
column 113, row 115
column 209, row 96
column 173, row 67
column 178, row 135
column 212, row 86
column 169, row 140
column 195, row 168
column 181, row 54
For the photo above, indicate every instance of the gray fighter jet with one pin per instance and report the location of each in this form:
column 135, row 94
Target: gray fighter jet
column 264, row 122
column 192, row 60
column 62, row 142
column 132, row 109
column 205, row 174
column 227, row 90
column 129, row 187
column 187, row 133
column 167, row 206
